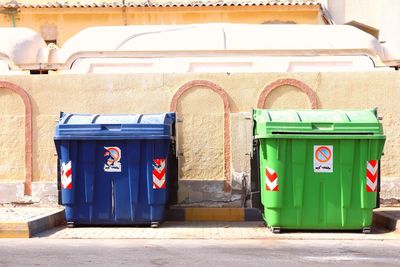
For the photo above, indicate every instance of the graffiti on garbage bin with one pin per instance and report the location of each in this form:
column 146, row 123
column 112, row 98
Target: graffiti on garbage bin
column 113, row 154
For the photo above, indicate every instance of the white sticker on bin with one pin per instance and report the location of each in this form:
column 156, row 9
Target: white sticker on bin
column 323, row 158
column 113, row 157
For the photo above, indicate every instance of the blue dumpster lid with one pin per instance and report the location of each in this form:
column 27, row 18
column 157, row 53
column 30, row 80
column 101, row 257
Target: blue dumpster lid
column 115, row 127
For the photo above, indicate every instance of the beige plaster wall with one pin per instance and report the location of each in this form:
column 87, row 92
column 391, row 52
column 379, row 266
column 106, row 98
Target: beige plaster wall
column 201, row 110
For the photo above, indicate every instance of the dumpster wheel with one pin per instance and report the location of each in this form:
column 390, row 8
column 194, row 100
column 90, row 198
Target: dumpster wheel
column 276, row 230
column 70, row 224
column 366, row 230
column 154, row 224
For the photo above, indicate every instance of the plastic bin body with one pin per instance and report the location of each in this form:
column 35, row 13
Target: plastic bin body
column 313, row 167
column 134, row 190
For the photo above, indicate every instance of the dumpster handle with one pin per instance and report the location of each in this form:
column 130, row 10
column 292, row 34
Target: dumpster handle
column 252, row 133
column 177, row 153
column 378, row 194
column 68, row 117
column 140, row 118
column 112, row 198
column 95, row 117
column 244, row 189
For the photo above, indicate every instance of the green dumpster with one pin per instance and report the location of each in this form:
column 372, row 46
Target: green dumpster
column 318, row 168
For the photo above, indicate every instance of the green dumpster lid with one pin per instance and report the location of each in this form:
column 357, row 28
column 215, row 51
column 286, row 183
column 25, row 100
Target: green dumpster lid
column 269, row 123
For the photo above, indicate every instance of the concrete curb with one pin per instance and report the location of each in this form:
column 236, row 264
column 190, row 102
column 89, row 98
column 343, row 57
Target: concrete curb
column 26, row 229
column 381, row 218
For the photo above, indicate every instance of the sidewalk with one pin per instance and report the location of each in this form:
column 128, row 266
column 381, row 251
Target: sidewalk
column 207, row 230
column 238, row 223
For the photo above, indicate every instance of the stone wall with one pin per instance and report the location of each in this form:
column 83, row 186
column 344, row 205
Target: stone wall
column 215, row 132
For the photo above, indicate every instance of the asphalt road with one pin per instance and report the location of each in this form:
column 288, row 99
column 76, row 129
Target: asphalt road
column 200, row 252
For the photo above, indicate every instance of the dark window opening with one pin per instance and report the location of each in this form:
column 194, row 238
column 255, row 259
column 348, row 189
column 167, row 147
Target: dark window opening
column 38, row 72
column 51, row 42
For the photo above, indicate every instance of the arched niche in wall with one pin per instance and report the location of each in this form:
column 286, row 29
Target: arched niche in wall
column 288, row 93
column 25, row 127
column 205, row 131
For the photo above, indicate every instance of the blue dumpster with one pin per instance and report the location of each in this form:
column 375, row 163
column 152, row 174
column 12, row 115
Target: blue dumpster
column 113, row 168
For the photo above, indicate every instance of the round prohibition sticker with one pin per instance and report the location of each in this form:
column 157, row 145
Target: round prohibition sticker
column 323, row 154
column 323, row 158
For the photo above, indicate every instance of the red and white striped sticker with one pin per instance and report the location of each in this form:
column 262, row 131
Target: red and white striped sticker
column 271, row 180
column 372, row 175
column 159, row 174
column 66, row 175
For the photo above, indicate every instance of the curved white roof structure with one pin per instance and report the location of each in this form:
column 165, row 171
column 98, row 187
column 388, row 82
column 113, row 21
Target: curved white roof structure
column 19, row 48
column 147, row 44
